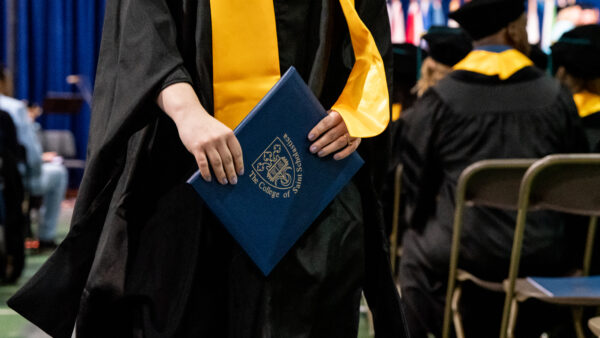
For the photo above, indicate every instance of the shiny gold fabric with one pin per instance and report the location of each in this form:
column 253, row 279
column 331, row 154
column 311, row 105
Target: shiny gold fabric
column 246, row 66
column 587, row 103
column 503, row 64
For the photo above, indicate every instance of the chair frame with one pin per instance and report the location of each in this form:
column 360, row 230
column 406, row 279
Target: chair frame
column 518, row 166
column 394, row 236
column 510, row 303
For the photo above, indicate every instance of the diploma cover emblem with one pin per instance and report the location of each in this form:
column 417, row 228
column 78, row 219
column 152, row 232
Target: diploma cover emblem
column 278, row 169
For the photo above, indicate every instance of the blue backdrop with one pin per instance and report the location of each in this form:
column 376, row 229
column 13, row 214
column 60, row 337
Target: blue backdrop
column 3, row 21
column 57, row 38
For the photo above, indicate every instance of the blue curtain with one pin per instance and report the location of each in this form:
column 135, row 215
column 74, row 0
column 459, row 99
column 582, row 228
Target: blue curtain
column 57, row 38
column 3, row 22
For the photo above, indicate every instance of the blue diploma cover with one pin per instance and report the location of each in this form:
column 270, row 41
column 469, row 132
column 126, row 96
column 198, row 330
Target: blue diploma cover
column 285, row 187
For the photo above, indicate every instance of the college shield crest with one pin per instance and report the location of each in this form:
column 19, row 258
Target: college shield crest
column 275, row 166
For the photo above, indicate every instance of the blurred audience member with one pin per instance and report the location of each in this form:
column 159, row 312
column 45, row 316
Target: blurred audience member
column 407, row 60
column 494, row 104
column 43, row 175
column 446, row 46
column 576, row 57
column 12, row 220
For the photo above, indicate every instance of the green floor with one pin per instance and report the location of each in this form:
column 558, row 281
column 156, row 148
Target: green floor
column 14, row 326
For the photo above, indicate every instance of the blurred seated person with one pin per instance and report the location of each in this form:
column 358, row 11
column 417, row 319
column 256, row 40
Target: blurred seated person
column 407, row 60
column 12, row 220
column 493, row 104
column 576, row 57
column 43, row 175
column 444, row 47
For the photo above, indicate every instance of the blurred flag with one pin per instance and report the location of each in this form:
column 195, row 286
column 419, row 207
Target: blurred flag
column 414, row 25
column 426, row 13
column 438, row 17
column 397, row 21
column 547, row 24
column 533, row 22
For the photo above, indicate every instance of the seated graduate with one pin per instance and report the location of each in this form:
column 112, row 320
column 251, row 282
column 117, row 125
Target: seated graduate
column 494, row 104
column 41, row 176
column 12, row 220
column 444, row 47
column 144, row 256
column 576, row 58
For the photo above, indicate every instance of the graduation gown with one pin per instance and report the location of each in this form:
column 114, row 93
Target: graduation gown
column 145, row 258
column 591, row 124
column 465, row 118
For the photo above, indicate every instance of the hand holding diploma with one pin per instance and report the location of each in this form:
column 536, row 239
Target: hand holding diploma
column 331, row 135
column 209, row 140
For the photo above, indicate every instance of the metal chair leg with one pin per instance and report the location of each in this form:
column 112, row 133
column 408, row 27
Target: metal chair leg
column 577, row 318
column 456, row 318
column 512, row 320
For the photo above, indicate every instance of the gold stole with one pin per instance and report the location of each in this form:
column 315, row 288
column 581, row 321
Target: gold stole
column 503, row 64
column 587, row 103
column 246, row 66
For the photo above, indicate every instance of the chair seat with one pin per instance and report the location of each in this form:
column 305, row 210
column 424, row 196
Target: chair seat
column 560, row 290
column 594, row 325
column 463, row 276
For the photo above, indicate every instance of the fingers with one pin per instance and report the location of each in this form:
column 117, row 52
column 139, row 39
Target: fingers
column 216, row 164
column 202, row 161
column 352, row 146
column 338, row 142
column 228, row 164
column 236, row 152
column 328, row 122
column 224, row 157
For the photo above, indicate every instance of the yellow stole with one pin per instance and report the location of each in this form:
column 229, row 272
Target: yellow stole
column 503, row 64
column 587, row 103
column 246, row 66
column 396, row 111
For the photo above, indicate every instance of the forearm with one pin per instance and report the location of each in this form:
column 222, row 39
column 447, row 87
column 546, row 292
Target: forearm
column 178, row 101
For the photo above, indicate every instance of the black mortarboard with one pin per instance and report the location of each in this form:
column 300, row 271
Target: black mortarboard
column 448, row 45
column 481, row 18
column 578, row 50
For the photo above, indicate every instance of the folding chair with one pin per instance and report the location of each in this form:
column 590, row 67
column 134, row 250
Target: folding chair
column 594, row 325
column 566, row 183
column 492, row 183
column 396, row 218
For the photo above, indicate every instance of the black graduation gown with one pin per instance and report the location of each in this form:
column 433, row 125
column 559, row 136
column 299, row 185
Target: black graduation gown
column 12, row 220
column 145, row 258
column 591, row 124
column 469, row 117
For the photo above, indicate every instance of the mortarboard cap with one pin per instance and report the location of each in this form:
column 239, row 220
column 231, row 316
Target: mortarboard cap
column 578, row 50
column 481, row 18
column 448, row 45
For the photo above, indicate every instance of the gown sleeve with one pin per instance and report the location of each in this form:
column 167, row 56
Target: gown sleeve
column 138, row 56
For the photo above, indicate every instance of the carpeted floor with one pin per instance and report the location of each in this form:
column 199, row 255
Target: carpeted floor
column 14, row 326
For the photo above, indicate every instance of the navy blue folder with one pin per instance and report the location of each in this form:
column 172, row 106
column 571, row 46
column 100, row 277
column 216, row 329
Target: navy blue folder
column 285, row 187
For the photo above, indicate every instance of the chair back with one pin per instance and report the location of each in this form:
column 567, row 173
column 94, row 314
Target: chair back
column 492, row 183
column 568, row 183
